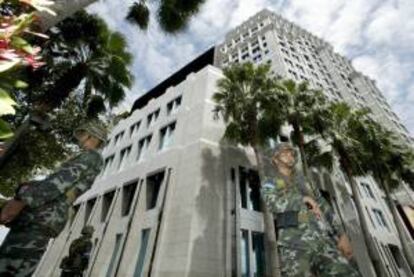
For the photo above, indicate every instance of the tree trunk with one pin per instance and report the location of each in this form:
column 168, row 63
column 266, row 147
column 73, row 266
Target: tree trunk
column 305, row 167
column 407, row 252
column 376, row 262
column 273, row 264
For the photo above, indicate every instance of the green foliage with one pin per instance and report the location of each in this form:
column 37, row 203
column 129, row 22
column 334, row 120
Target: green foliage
column 242, row 94
column 172, row 15
column 139, row 14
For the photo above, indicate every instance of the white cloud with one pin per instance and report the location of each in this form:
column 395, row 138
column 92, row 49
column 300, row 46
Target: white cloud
column 378, row 34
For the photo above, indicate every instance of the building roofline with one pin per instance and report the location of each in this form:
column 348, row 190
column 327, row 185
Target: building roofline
column 207, row 58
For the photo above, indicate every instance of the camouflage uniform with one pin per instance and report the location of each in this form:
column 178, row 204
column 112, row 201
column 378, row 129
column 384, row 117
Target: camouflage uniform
column 46, row 213
column 306, row 244
column 77, row 261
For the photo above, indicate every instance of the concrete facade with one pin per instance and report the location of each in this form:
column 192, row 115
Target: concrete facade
column 176, row 200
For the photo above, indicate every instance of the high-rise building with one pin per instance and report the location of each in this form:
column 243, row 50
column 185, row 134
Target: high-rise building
column 173, row 199
column 299, row 55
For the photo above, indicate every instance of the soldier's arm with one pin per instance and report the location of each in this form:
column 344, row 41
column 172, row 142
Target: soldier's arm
column 88, row 176
column 68, row 175
column 329, row 215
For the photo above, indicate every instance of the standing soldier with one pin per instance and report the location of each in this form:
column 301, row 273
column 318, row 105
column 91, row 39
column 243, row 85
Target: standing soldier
column 80, row 249
column 306, row 244
column 39, row 210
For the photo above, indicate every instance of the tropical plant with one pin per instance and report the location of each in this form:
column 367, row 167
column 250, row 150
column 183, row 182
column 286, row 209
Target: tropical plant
column 16, row 52
column 82, row 57
column 305, row 110
column 242, row 94
column 82, row 51
column 387, row 159
column 172, row 15
column 342, row 131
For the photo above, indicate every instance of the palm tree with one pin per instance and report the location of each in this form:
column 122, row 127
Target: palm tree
column 342, row 132
column 387, row 159
column 305, row 110
column 99, row 62
column 172, row 15
column 84, row 57
column 243, row 94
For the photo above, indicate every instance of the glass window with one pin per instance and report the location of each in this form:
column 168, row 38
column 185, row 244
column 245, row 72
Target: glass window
column 88, row 209
column 128, row 193
column 124, row 157
column 154, row 183
column 259, row 254
column 134, row 128
column 249, row 189
column 367, row 190
column 106, row 204
column 115, row 255
column 174, row 104
column 108, row 162
column 245, row 268
column 118, row 137
column 152, row 117
column 166, row 136
column 380, row 218
column 143, row 146
column 139, row 267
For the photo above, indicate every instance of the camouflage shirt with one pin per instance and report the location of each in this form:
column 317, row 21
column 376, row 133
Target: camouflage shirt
column 47, row 204
column 280, row 197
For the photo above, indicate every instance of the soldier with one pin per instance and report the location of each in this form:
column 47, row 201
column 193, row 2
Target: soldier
column 77, row 261
column 306, row 244
column 39, row 210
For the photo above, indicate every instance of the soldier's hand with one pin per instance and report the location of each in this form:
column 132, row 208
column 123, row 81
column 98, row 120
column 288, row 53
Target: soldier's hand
column 11, row 210
column 344, row 246
column 313, row 206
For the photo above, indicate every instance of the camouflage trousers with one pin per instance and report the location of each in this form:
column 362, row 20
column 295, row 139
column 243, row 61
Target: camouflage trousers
column 21, row 252
column 319, row 259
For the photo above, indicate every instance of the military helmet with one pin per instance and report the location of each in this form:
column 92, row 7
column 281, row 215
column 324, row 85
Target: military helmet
column 94, row 128
column 285, row 145
column 87, row 230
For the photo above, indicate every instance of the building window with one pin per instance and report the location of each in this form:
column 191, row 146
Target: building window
column 134, row 128
column 249, row 190
column 258, row 253
column 124, row 157
column 106, row 204
column 367, row 190
column 173, row 105
column 108, row 162
column 245, row 265
column 396, row 254
column 118, row 137
column 115, row 254
column 139, row 267
column 154, row 183
column 143, row 146
column 166, row 136
column 379, row 217
column 152, row 117
column 128, row 193
column 88, row 209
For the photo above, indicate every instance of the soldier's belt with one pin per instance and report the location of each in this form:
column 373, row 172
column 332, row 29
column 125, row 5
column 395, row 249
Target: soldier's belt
column 291, row 219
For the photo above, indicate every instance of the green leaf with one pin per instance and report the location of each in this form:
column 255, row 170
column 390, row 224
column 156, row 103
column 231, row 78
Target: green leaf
column 20, row 84
column 5, row 130
column 6, row 103
column 20, row 43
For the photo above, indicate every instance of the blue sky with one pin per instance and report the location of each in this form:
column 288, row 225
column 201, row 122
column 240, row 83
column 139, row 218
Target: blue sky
column 377, row 35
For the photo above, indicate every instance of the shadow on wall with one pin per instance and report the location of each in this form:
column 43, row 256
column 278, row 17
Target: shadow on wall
column 208, row 253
